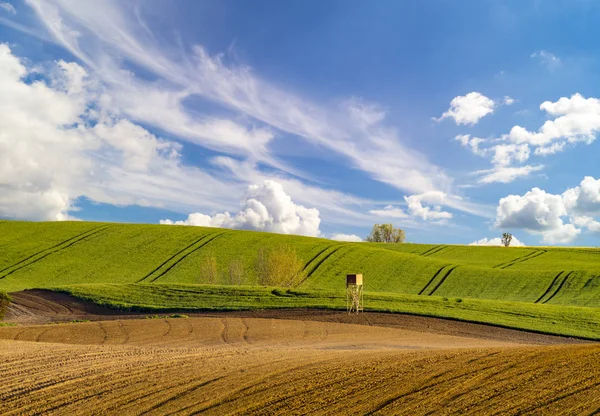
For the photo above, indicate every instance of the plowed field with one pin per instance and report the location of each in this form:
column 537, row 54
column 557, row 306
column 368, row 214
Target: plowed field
column 283, row 362
column 293, row 362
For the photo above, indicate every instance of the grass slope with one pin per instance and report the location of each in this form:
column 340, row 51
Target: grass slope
column 50, row 255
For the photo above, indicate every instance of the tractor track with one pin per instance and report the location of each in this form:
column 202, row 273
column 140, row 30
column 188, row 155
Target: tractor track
column 522, row 259
column 203, row 242
column 549, row 287
column 322, row 261
column 432, row 279
column 48, row 252
column 442, row 280
column 434, row 250
column 49, row 248
column 560, row 286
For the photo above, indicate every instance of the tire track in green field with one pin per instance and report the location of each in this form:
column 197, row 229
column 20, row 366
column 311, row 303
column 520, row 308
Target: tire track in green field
column 322, row 261
column 442, row 280
column 521, row 259
column 315, row 257
column 204, row 242
column 549, row 287
column 427, row 251
column 48, row 249
column 562, row 283
column 52, row 250
column 434, row 250
column 174, row 256
column 433, row 278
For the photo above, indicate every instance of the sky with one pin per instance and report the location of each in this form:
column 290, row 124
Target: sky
column 456, row 121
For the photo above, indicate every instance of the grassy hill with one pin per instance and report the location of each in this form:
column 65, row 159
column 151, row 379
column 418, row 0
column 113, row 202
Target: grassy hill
column 59, row 254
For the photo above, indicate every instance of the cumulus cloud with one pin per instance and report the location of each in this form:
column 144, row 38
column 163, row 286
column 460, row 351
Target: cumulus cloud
column 585, row 198
column 538, row 212
column 547, row 58
column 515, row 242
column 469, row 109
column 558, row 218
column 577, row 119
column 7, row 7
column 267, row 207
column 351, row 238
column 417, row 207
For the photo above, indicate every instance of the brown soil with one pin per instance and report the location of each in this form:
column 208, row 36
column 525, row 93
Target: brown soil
column 283, row 362
column 43, row 306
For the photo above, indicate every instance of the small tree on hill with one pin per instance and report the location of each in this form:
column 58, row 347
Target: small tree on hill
column 236, row 271
column 506, row 239
column 386, row 233
column 279, row 267
column 208, row 269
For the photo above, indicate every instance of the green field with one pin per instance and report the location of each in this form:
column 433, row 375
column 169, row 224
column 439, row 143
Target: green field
column 559, row 284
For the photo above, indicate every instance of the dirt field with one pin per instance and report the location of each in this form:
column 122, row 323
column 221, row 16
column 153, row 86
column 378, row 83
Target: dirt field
column 283, row 362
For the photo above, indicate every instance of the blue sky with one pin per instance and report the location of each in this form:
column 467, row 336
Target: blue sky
column 454, row 120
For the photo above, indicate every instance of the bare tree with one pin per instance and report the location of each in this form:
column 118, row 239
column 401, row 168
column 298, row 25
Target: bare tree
column 208, row 269
column 236, row 271
column 506, row 239
column 386, row 233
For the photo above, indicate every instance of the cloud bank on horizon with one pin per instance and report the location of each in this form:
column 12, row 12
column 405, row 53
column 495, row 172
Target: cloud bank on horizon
column 128, row 116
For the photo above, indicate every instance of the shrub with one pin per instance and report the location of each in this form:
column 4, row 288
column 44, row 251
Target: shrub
column 279, row 267
column 236, row 271
column 208, row 269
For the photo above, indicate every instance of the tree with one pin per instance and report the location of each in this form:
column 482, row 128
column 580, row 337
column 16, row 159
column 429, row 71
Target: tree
column 279, row 267
column 208, row 269
column 506, row 239
column 386, row 233
column 236, row 271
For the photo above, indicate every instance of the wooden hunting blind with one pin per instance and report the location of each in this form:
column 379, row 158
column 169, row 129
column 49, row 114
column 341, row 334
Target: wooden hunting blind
column 354, row 293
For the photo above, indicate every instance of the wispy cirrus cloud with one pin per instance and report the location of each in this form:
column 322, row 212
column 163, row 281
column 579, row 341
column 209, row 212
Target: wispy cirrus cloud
column 353, row 129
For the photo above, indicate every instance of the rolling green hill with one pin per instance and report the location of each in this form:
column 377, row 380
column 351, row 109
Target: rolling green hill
column 59, row 254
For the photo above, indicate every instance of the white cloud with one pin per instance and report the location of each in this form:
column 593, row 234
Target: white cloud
column 503, row 174
column 577, row 119
column 472, row 143
column 469, row 109
column 502, row 157
column 355, row 129
column 506, row 154
column 7, row 7
column 497, row 241
column 351, row 238
column 547, row 58
column 558, row 218
column 417, row 208
column 585, row 198
column 50, row 155
column 508, row 100
column 537, row 212
column 586, row 222
column 389, row 211
column 266, row 208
